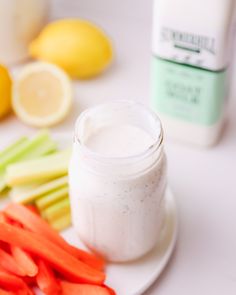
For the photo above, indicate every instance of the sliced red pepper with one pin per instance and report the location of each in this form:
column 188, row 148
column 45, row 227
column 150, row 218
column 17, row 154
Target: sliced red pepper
column 24, row 261
column 59, row 259
column 46, row 279
column 36, row 224
column 8, row 263
column 83, row 289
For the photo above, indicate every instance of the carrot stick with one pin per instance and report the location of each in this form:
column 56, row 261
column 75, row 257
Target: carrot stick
column 36, row 224
column 10, row 281
column 83, row 289
column 33, row 209
column 8, row 263
column 46, row 280
column 59, row 259
column 5, row 292
column 25, row 291
column 111, row 291
column 24, row 261
column 2, row 217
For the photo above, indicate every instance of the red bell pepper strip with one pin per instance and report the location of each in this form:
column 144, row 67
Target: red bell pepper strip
column 36, row 224
column 24, row 261
column 59, row 259
column 83, row 289
column 46, row 280
column 8, row 263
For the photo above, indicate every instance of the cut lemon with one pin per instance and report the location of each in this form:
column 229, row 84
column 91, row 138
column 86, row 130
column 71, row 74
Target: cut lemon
column 42, row 94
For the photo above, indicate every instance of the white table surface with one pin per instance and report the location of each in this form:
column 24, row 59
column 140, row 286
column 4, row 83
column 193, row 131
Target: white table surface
column 203, row 181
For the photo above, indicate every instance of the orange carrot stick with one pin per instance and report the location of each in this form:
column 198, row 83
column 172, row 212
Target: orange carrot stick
column 32, row 208
column 46, row 280
column 5, row 292
column 59, row 259
column 24, row 261
column 83, row 289
column 2, row 217
column 10, row 281
column 8, row 263
column 36, row 224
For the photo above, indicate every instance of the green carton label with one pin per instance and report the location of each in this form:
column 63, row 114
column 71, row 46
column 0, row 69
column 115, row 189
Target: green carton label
column 187, row 93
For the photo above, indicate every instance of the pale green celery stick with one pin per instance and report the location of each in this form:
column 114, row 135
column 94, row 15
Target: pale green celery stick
column 6, row 154
column 51, row 198
column 57, row 210
column 32, row 195
column 62, row 222
column 12, row 148
column 2, row 181
column 25, row 189
column 46, row 148
column 43, row 168
column 26, row 150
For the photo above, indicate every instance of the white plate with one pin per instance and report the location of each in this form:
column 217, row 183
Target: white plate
column 135, row 277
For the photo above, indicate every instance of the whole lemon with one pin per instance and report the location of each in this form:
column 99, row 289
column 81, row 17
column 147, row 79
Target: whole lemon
column 5, row 91
column 77, row 46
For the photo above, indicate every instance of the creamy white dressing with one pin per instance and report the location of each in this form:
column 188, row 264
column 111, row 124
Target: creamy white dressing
column 119, row 141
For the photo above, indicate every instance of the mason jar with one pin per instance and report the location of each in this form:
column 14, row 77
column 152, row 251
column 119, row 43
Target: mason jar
column 117, row 179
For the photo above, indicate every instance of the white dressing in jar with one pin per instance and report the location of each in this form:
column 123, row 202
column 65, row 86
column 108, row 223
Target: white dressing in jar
column 117, row 180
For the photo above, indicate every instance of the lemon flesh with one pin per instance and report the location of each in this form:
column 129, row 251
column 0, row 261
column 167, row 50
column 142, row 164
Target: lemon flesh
column 42, row 94
column 5, row 91
column 78, row 46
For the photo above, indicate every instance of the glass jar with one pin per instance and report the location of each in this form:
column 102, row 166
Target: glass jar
column 20, row 23
column 117, row 200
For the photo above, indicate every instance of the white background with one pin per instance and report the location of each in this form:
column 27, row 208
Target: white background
column 203, row 181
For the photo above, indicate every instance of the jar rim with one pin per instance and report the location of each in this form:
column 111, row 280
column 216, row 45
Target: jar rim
column 157, row 142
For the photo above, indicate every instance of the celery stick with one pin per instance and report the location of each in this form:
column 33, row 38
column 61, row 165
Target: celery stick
column 25, row 189
column 38, row 191
column 2, row 182
column 43, row 168
column 62, row 222
column 12, row 148
column 57, row 210
column 48, row 147
column 26, row 150
column 49, row 199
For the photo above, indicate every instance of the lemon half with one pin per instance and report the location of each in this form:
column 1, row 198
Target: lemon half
column 42, row 94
